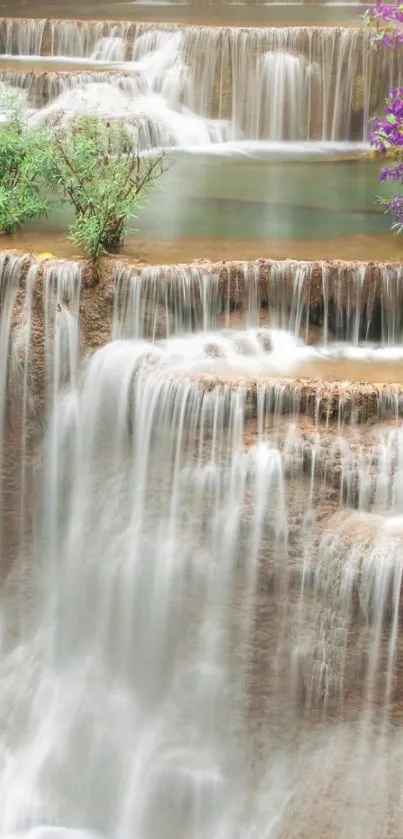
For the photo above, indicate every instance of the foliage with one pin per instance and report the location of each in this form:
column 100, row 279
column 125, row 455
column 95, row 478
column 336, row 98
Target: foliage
column 387, row 130
column 21, row 152
column 97, row 166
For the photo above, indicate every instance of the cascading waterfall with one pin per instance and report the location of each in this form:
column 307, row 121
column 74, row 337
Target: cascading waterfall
column 202, row 85
column 207, row 572
column 21, row 37
column 160, row 301
column 286, row 86
column 109, row 48
column 40, row 334
column 61, row 306
column 353, row 302
column 201, row 495
column 47, row 86
column 10, row 274
column 87, row 39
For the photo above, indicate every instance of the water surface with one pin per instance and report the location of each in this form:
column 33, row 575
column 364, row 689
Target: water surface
column 259, row 14
column 269, row 202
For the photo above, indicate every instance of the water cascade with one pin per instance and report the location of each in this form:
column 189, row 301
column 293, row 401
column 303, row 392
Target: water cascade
column 211, row 552
column 272, row 84
column 285, row 80
column 337, row 300
column 201, row 492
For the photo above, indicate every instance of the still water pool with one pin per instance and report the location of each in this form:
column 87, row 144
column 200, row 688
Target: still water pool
column 301, row 201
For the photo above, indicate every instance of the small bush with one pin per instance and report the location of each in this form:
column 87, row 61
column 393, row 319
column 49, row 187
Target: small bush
column 96, row 166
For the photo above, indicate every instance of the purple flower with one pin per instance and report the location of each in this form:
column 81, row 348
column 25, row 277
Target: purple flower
column 392, row 173
column 394, row 206
column 387, row 130
column 386, row 20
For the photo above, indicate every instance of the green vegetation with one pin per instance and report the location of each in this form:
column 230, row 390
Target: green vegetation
column 21, row 153
column 96, row 167
column 93, row 164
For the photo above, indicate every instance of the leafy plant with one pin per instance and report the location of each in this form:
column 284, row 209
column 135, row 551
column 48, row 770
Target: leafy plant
column 387, row 135
column 21, row 153
column 96, row 165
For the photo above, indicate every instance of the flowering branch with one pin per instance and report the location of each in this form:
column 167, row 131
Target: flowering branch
column 387, row 130
column 386, row 21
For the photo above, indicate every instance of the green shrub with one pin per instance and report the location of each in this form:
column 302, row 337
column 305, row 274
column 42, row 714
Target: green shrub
column 21, row 154
column 95, row 165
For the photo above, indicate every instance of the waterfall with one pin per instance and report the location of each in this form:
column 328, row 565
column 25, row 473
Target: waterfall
column 11, row 268
column 284, row 93
column 40, row 336
column 348, row 302
column 328, row 301
column 201, row 465
column 161, row 301
column 88, row 39
column 22, row 37
column 210, row 552
column 195, row 85
column 109, row 48
column 62, row 284
column 160, row 523
column 42, row 88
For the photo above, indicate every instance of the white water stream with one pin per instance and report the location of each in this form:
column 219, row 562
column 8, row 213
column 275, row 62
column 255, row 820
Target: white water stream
column 187, row 590
column 273, row 84
column 128, row 694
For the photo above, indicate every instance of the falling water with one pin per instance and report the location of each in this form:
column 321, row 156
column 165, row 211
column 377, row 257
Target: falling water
column 214, row 555
column 165, row 300
column 284, row 93
column 109, row 48
column 271, row 84
column 87, row 39
column 10, row 274
column 21, row 37
column 201, row 520
column 342, row 301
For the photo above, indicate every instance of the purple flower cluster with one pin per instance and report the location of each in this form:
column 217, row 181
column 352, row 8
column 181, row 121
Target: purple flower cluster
column 394, row 206
column 387, row 21
column 387, row 130
column 392, row 173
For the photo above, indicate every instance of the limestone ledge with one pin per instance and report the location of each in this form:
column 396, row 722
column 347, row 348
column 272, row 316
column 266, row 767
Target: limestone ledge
column 347, row 457
column 345, row 284
column 354, row 401
column 271, row 284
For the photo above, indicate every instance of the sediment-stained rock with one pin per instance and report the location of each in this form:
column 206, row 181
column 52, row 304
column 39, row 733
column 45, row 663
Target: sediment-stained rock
column 351, row 401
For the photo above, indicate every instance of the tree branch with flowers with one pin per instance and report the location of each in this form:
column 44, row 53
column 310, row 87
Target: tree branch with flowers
column 386, row 23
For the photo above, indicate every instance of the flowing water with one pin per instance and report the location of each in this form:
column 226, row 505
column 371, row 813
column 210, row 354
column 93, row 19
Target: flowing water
column 200, row 629
column 201, row 502
column 245, row 202
column 276, row 83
